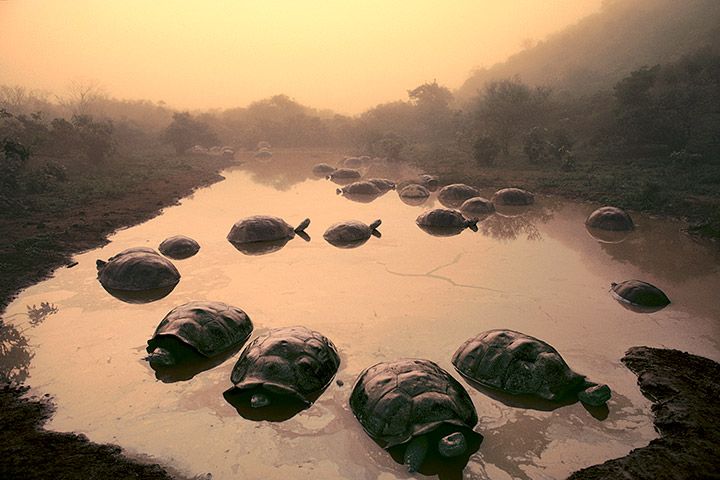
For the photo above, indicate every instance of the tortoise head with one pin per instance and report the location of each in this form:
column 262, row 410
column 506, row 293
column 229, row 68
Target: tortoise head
column 472, row 224
column 100, row 264
column 161, row 357
column 595, row 395
column 449, row 446
column 260, row 399
column 338, row 191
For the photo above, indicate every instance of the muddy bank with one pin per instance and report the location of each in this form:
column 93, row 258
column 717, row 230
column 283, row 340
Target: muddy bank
column 34, row 241
column 28, row 452
column 684, row 389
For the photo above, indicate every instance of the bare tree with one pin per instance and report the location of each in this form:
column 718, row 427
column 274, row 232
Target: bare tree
column 82, row 96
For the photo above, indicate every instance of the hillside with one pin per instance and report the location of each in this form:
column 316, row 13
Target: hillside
column 604, row 47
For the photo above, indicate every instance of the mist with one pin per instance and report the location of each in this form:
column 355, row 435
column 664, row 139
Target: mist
column 332, row 55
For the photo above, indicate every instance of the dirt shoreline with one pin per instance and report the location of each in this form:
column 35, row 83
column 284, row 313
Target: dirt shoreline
column 684, row 387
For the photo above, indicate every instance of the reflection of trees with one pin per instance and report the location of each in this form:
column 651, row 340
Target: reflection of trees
column 38, row 314
column 15, row 354
column 662, row 252
column 510, row 228
column 282, row 172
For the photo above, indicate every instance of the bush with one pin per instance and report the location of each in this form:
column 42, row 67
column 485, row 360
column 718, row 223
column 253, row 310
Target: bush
column 486, row 150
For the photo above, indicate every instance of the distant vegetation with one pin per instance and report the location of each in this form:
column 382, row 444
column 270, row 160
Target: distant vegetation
column 622, row 108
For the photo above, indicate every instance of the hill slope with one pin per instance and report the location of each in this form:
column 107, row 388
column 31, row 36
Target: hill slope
column 604, row 47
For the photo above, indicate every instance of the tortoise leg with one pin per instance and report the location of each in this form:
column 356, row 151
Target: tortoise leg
column 595, row 395
column 415, row 453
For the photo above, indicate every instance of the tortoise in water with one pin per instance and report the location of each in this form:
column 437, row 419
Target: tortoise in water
column 382, row 184
column 352, row 162
column 292, row 361
column 263, row 153
column 414, row 194
column 350, row 234
column 431, row 182
column 610, row 218
column 639, row 296
column 455, row 194
column 513, row 197
column 476, row 206
column 179, row 247
column 323, row 169
column 263, row 228
column 410, row 402
column 359, row 188
column 137, row 269
column 444, row 222
column 344, row 175
column 207, row 328
column 519, row 364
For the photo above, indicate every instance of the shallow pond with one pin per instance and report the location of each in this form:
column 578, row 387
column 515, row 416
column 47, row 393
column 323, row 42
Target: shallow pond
column 406, row 294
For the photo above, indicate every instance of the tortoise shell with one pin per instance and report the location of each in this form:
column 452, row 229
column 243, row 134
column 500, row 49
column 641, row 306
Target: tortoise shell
column 350, row 233
column 344, row 173
column 455, row 194
column 208, row 327
column 294, row 361
column 396, row 401
column 640, row 293
column 260, row 228
column 322, row 169
column 610, row 218
column 516, row 363
column 360, row 188
column 137, row 269
column 477, row 206
column 382, row 184
column 513, row 196
column 179, row 247
column 442, row 217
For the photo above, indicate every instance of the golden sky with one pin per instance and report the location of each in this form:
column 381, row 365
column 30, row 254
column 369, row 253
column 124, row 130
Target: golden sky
column 342, row 55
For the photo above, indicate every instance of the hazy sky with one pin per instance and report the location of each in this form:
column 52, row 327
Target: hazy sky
column 336, row 54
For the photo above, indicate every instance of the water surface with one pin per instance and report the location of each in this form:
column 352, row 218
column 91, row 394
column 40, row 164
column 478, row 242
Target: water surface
column 407, row 294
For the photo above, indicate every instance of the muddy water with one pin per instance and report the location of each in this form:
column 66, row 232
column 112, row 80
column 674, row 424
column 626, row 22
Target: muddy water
column 407, row 294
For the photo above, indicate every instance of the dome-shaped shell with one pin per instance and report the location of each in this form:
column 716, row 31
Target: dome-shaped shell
column 610, row 218
column 137, row 269
column 179, row 247
column 323, row 169
column 382, row 184
column 352, row 162
column 455, row 194
column 477, row 206
column 431, row 182
column 516, row 363
column 345, row 174
column 414, row 191
column 263, row 154
column 513, row 196
column 260, row 228
column 442, row 217
column 640, row 293
column 360, row 188
column 208, row 327
column 292, row 361
column 349, row 233
column 396, row 401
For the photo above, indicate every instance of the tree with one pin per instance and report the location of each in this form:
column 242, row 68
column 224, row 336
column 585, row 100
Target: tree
column 95, row 138
column 486, row 150
column 184, row 131
column 509, row 107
